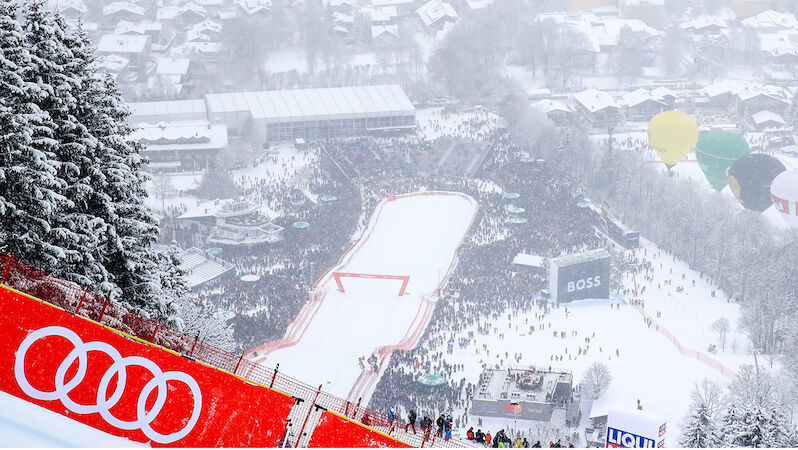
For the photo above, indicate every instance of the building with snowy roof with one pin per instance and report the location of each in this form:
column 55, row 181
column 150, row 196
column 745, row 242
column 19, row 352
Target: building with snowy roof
column 174, row 146
column 772, row 21
column 754, row 98
column 232, row 223
column 168, row 111
column 135, row 48
column 557, row 111
column 435, row 14
column 711, row 25
column 641, row 105
column 767, row 120
column 313, row 113
column 597, row 108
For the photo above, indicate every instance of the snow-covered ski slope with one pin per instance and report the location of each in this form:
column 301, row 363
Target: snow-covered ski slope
column 416, row 235
column 24, row 424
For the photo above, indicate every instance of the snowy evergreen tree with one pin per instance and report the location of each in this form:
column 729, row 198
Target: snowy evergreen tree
column 31, row 192
column 58, row 74
column 755, row 417
column 700, row 429
column 128, row 246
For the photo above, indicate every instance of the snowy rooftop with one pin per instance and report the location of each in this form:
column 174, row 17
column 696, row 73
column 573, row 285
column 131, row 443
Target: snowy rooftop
column 117, row 43
column 379, row 30
column 766, row 116
column 773, row 20
column 172, row 66
column 113, row 63
column 254, row 6
column 703, row 22
column 590, row 255
column 608, row 31
column 391, row 2
column 182, row 135
column 435, row 10
column 324, row 102
column 594, row 100
column 723, row 87
column 167, row 107
column 525, row 259
column 661, row 93
column 775, row 92
column 115, row 7
column 548, row 105
column 779, row 43
column 638, row 97
column 221, row 208
column 127, row 27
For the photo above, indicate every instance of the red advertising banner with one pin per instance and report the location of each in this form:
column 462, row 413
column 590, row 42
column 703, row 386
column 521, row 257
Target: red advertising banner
column 94, row 375
column 337, row 432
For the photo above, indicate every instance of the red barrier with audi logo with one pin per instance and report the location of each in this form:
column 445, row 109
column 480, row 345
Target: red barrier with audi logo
column 96, row 376
column 337, row 432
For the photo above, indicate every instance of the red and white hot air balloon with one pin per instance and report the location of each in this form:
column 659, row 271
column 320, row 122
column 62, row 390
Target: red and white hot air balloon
column 784, row 193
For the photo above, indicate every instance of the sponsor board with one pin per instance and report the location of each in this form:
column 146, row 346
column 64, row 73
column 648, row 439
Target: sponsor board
column 114, row 383
column 580, row 276
column 635, row 429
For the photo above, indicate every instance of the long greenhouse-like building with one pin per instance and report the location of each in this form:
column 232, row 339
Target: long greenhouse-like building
column 313, row 113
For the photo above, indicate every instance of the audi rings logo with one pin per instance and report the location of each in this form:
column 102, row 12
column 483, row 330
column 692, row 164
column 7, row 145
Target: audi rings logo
column 104, row 402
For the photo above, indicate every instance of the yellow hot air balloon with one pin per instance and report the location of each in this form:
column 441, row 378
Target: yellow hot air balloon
column 672, row 134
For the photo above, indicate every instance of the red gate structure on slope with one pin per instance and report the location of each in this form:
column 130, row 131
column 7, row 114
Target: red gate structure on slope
column 403, row 278
column 82, row 344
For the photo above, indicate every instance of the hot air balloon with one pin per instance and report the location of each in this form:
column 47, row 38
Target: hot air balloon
column 716, row 151
column 672, row 135
column 784, row 192
column 750, row 178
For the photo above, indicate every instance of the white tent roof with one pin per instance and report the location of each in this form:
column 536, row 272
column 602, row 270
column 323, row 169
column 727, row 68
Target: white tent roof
column 289, row 105
column 525, row 259
column 167, row 107
column 766, row 116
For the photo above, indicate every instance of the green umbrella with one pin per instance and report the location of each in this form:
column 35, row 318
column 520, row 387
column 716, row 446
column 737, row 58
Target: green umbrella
column 518, row 220
column 328, row 198
column 516, row 209
column 512, row 195
column 716, row 151
column 300, row 225
column 214, row 251
column 526, row 159
column 431, row 379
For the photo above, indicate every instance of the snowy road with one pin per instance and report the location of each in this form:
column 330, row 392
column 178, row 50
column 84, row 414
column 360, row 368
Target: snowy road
column 414, row 235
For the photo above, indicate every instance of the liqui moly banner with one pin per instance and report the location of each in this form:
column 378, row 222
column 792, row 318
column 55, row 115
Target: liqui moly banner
column 635, row 429
column 92, row 374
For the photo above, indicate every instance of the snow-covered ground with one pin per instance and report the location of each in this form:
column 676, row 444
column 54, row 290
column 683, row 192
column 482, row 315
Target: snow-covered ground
column 415, row 236
column 643, row 363
column 24, row 424
column 434, row 123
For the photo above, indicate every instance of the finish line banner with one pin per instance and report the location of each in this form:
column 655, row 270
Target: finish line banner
column 91, row 374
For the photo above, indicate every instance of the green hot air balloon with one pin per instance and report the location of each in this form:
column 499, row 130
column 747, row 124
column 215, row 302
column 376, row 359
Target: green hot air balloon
column 716, row 151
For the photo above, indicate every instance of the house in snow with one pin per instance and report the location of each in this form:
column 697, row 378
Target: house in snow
column 767, row 120
column 182, row 17
column 181, row 145
column 597, row 108
column 705, row 26
column 205, row 31
column 435, row 14
column 71, row 9
column 134, row 48
column 666, row 96
column 754, row 98
column 172, row 74
column 123, row 11
column 384, row 35
column 255, row 7
column 641, row 106
column 557, row 111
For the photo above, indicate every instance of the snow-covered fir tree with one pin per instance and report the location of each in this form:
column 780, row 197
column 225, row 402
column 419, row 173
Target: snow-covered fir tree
column 128, row 246
column 58, row 75
column 755, row 417
column 31, row 192
column 700, row 429
column 71, row 180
